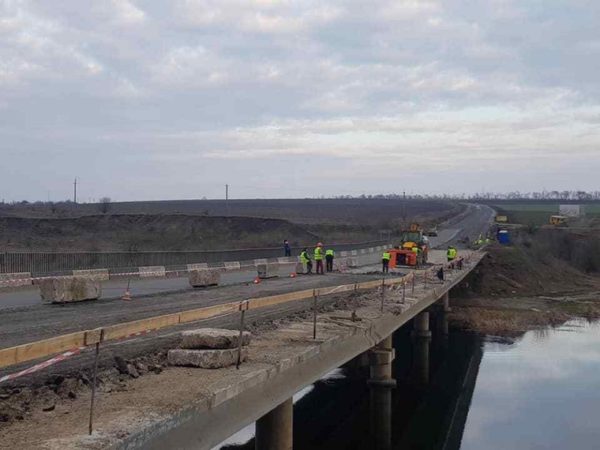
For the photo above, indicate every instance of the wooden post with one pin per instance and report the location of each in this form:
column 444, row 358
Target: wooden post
column 243, row 307
column 94, row 377
column 403, row 291
column 382, row 291
column 314, row 314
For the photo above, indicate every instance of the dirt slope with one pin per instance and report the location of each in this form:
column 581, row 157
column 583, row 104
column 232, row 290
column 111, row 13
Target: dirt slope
column 146, row 232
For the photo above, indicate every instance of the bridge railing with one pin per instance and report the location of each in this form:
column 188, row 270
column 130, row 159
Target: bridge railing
column 38, row 263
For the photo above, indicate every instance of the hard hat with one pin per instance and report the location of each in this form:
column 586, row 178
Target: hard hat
column 320, row 244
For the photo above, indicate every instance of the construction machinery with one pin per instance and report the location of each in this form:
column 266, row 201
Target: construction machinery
column 413, row 248
column 559, row 221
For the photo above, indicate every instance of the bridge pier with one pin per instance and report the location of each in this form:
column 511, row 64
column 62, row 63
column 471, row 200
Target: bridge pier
column 421, row 341
column 381, row 384
column 446, row 302
column 274, row 430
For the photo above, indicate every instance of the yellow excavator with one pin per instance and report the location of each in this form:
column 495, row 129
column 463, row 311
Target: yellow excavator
column 414, row 237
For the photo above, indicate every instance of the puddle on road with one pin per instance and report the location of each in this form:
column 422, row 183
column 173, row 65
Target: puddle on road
column 542, row 392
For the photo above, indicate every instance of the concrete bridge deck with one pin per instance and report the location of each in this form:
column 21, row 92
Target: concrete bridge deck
column 194, row 408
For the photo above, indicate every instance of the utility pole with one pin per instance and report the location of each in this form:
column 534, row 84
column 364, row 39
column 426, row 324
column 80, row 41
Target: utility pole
column 75, row 191
column 404, row 207
column 227, row 198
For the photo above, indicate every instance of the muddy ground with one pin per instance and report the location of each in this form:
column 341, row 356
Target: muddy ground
column 525, row 286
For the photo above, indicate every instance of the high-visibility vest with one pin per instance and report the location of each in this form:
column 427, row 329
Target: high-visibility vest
column 386, row 256
column 304, row 257
column 451, row 253
column 329, row 253
column 415, row 250
column 318, row 254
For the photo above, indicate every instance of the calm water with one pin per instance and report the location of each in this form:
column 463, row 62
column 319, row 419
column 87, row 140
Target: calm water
column 540, row 392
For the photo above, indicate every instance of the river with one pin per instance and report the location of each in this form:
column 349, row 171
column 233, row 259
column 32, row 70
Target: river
column 540, row 391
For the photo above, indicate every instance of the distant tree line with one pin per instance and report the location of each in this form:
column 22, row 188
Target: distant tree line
column 487, row 196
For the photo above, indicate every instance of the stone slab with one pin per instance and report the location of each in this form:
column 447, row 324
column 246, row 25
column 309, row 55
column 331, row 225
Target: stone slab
column 267, row 270
column 69, row 289
column 205, row 359
column 204, row 278
column 213, row 338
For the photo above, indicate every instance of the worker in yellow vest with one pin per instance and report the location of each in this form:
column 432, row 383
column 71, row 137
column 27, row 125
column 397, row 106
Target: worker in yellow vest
column 329, row 255
column 385, row 262
column 306, row 262
column 319, row 259
column 451, row 253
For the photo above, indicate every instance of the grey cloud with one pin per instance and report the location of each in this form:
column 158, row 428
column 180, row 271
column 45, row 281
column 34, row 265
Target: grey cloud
column 205, row 89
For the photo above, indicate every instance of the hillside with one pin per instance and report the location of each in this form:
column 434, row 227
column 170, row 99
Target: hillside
column 146, row 232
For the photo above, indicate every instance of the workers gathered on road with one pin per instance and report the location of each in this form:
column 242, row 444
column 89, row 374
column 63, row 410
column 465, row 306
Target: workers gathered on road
column 385, row 262
column 451, row 253
column 286, row 248
column 329, row 255
column 306, row 262
column 319, row 259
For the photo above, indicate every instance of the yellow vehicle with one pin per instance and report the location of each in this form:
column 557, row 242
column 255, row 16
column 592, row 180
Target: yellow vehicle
column 558, row 221
column 414, row 237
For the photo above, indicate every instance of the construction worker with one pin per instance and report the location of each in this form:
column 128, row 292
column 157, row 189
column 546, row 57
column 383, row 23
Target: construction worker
column 451, row 253
column 329, row 255
column 416, row 250
column 385, row 262
column 319, row 258
column 306, row 262
column 286, row 248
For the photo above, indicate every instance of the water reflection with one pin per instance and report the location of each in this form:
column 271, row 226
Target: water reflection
column 542, row 391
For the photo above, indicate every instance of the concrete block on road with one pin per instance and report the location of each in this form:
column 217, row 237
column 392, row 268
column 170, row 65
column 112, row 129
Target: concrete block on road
column 204, row 278
column 267, row 270
column 69, row 289
column 213, row 338
column 205, row 359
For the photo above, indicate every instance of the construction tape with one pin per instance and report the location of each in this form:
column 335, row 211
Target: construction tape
column 63, row 357
column 43, row 365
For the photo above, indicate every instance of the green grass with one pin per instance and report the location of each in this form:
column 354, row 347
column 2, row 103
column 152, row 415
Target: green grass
column 538, row 213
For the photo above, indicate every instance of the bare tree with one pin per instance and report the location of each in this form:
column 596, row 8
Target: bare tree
column 104, row 205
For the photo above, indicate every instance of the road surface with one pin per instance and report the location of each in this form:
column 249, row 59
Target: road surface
column 476, row 221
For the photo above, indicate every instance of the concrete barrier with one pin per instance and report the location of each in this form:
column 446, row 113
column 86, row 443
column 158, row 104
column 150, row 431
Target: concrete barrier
column 15, row 279
column 152, row 271
column 267, row 270
column 96, row 274
column 69, row 289
column 204, row 278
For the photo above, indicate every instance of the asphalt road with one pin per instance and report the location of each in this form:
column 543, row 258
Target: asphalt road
column 32, row 320
column 475, row 222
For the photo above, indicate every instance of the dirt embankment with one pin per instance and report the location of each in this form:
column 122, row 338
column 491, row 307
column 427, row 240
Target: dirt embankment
column 533, row 283
column 146, row 232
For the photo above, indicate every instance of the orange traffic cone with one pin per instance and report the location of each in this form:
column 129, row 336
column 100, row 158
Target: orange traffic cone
column 257, row 280
column 127, row 295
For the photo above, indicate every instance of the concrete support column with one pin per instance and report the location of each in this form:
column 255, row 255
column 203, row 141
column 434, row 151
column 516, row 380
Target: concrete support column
column 421, row 341
column 446, row 302
column 421, row 325
column 381, row 384
column 274, row 430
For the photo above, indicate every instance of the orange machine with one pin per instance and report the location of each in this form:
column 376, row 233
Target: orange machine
column 402, row 257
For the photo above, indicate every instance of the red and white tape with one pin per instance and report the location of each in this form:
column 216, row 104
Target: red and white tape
column 42, row 365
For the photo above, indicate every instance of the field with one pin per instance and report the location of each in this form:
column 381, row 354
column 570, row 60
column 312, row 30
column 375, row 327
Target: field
column 538, row 213
column 208, row 224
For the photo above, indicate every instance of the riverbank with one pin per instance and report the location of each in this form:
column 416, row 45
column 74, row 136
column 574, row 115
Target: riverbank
column 523, row 287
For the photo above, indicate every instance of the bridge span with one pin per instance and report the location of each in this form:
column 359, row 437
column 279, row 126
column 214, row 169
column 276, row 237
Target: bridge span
column 189, row 408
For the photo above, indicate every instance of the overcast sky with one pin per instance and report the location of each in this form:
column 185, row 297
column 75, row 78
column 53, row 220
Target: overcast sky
column 162, row 100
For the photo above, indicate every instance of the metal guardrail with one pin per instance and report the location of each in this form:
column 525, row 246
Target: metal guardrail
column 49, row 262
